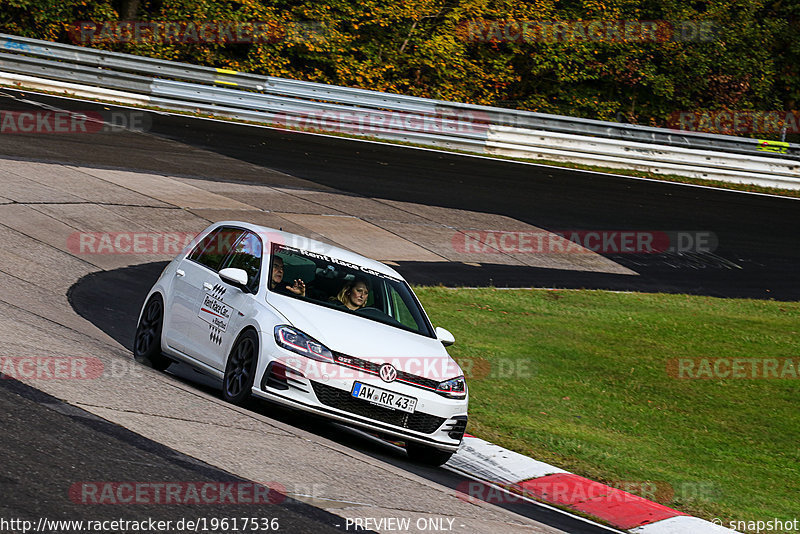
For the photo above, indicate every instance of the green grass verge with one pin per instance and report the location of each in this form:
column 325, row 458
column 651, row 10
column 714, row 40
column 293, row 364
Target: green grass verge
column 582, row 380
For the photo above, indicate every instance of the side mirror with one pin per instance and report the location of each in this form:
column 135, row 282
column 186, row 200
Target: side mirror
column 235, row 277
column 444, row 336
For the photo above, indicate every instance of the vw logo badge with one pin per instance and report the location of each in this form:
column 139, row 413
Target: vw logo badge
column 388, row 373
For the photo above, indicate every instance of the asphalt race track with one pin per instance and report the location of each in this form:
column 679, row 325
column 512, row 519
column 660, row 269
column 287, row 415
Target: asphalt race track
column 49, row 445
column 756, row 257
column 133, row 423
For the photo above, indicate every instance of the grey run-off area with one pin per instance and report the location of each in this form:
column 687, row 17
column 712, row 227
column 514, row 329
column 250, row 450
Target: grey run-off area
column 46, row 208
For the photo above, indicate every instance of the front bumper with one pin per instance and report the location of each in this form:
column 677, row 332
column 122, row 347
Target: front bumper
column 437, row 421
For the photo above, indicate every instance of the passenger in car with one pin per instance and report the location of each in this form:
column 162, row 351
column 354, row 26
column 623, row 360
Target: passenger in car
column 298, row 288
column 353, row 295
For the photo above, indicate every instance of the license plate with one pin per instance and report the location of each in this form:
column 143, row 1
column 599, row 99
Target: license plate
column 385, row 398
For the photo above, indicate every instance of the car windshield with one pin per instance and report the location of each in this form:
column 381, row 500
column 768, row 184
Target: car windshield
column 347, row 287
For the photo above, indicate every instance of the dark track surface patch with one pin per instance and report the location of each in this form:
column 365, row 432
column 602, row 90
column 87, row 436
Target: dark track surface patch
column 758, row 251
column 48, row 447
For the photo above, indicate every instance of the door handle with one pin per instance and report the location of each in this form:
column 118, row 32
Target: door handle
column 207, row 286
column 180, row 272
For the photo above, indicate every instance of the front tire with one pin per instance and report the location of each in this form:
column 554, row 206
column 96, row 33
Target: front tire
column 147, row 341
column 240, row 371
column 425, row 455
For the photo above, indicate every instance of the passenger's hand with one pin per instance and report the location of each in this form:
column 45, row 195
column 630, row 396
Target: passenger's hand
column 298, row 288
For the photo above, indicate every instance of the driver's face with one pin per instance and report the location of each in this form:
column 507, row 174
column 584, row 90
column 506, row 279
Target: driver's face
column 358, row 295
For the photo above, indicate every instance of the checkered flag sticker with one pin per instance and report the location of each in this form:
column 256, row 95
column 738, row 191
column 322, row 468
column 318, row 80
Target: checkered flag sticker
column 218, row 291
column 215, row 334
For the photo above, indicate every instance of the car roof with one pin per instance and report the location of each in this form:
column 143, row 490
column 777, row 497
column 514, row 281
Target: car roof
column 273, row 235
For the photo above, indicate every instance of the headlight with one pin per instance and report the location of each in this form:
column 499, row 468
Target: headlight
column 296, row 341
column 455, row 388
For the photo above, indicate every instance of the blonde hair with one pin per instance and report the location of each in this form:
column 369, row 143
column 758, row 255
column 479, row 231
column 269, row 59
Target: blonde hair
column 348, row 287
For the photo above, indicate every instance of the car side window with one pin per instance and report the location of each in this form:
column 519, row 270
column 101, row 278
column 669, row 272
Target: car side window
column 247, row 256
column 400, row 311
column 213, row 249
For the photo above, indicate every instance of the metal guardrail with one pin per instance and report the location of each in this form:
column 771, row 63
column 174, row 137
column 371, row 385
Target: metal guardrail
column 643, row 134
column 120, row 71
column 305, row 105
column 67, row 72
column 658, row 159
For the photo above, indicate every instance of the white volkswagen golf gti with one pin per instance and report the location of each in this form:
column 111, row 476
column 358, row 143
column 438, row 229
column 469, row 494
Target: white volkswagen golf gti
column 312, row 326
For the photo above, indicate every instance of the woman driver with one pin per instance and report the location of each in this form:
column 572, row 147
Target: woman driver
column 354, row 294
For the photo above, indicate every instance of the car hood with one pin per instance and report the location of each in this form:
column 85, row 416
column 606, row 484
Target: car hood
column 367, row 339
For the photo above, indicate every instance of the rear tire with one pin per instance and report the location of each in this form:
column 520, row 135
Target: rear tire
column 240, row 371
column 425, row 455
column 147, row 341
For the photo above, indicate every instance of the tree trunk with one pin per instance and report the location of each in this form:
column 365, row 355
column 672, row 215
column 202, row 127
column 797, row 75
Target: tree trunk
column 130, row 9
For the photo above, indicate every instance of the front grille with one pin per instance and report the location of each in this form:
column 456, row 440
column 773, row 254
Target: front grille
column 342, row 400
column 374, row 368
